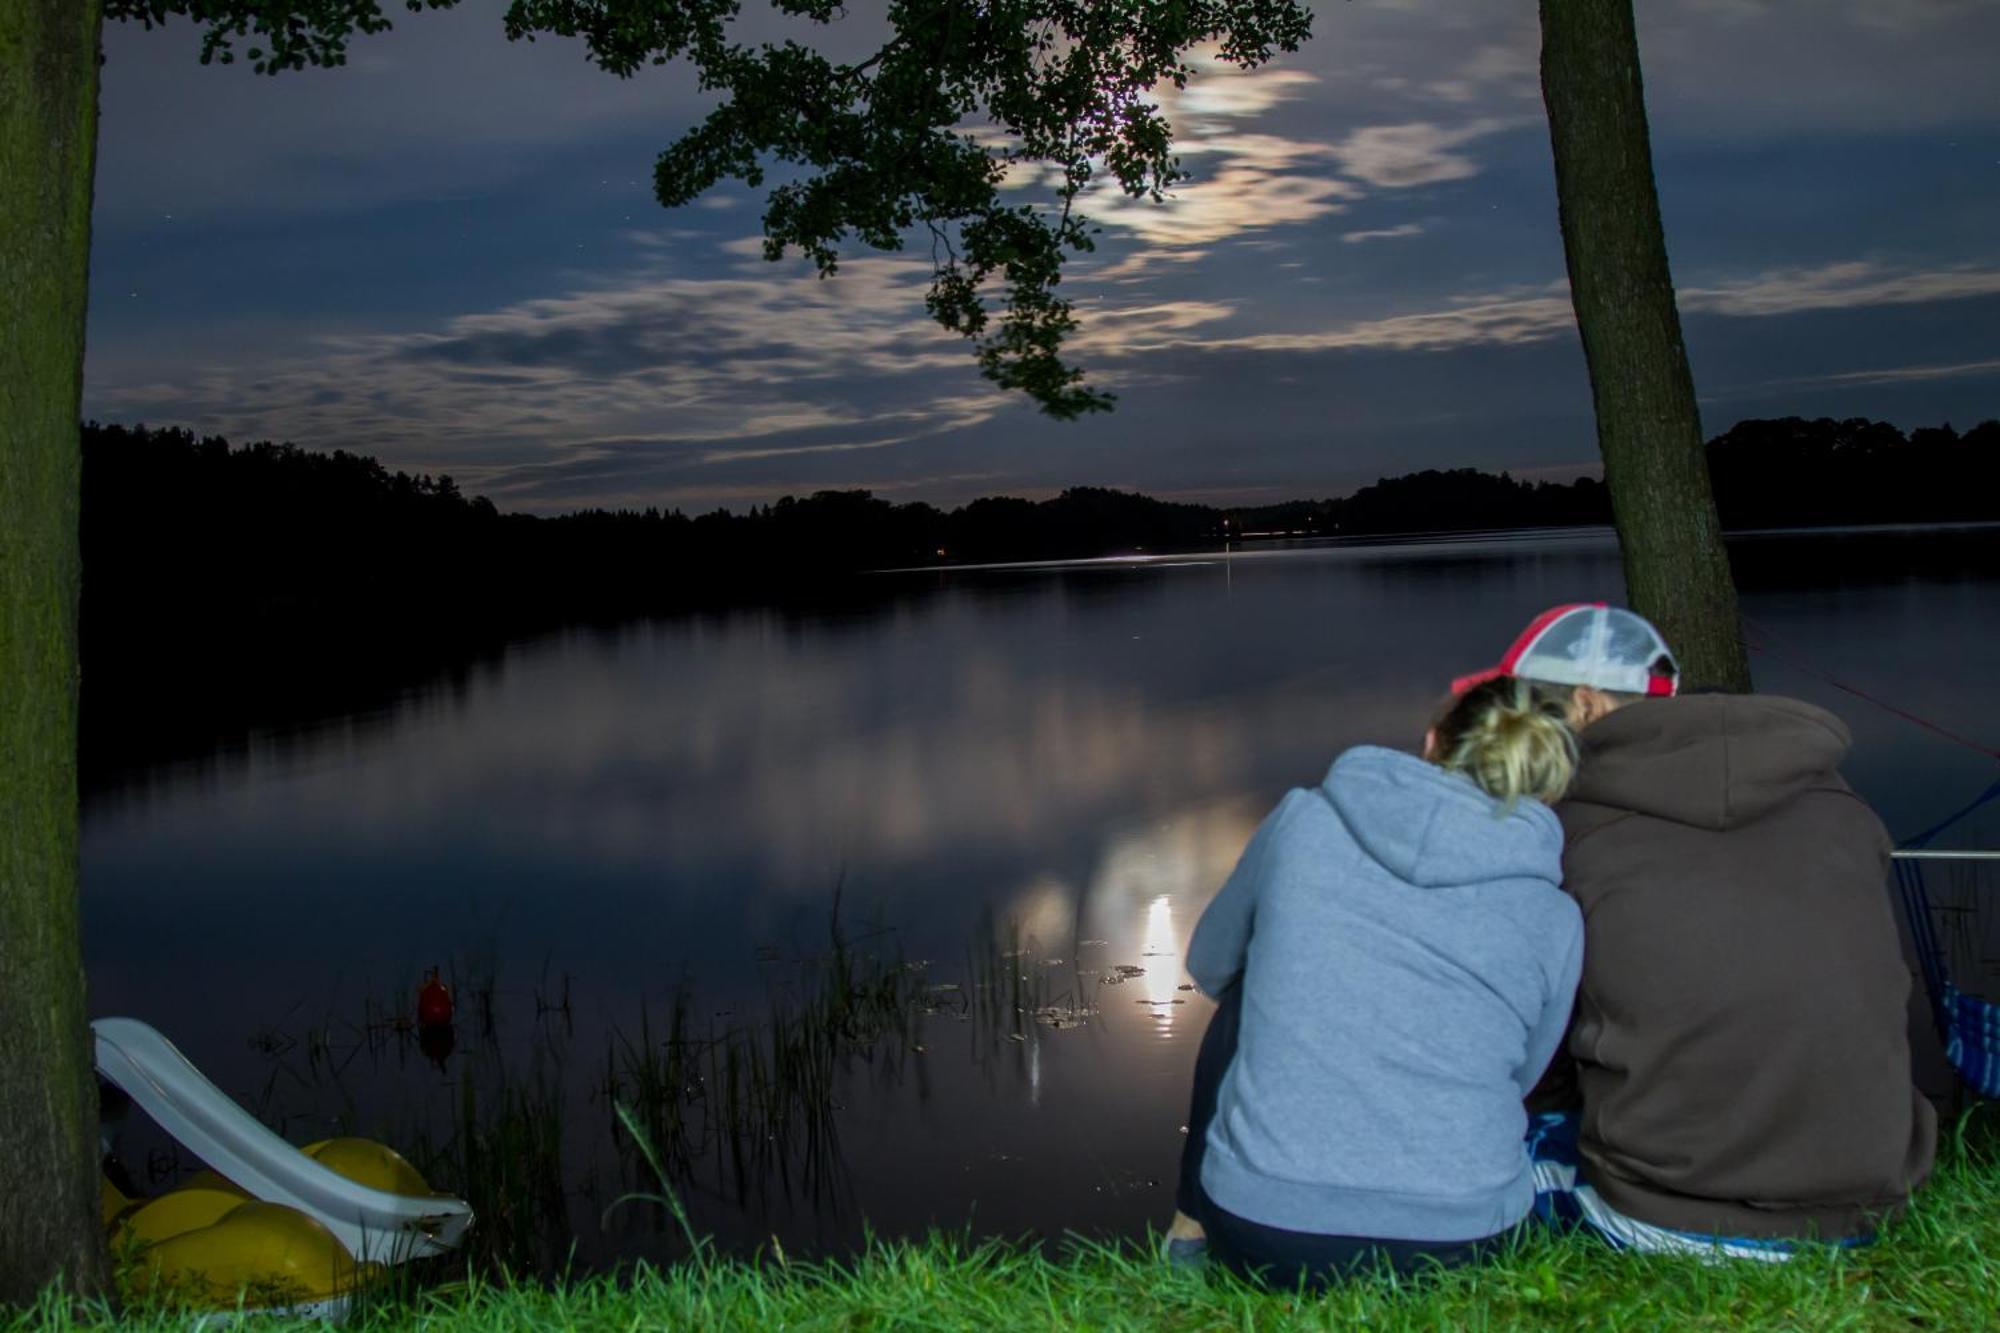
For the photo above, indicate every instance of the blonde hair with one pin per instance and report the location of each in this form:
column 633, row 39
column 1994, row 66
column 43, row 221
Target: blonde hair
column 1512, row 737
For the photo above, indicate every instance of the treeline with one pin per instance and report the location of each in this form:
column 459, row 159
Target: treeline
column 192, row 526
column 267, row 526
column 1787, row 472
column 233, row 588
column 1792, row 472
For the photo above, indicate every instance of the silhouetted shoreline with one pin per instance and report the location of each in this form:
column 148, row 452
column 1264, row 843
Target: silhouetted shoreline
column 232, row 590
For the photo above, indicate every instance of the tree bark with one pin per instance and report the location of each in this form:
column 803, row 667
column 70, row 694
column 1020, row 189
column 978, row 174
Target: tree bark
column 50, row 1227
column 1648, row 424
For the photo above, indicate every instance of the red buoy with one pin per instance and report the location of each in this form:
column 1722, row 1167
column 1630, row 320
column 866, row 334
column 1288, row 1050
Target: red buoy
column 434, row 1003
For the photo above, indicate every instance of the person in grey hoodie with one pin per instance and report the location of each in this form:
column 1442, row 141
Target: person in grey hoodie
column 1394, row 961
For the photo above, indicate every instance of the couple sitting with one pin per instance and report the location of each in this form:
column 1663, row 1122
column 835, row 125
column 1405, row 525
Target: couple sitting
column 1396, row 955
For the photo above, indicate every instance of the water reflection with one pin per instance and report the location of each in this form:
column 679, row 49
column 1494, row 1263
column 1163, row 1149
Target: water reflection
column 1162, row 951
column 1149, row 889
column 1034, row 1037
column 1044, row 914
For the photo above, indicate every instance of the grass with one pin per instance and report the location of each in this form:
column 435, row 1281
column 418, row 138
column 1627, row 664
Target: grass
column 1938, row 1267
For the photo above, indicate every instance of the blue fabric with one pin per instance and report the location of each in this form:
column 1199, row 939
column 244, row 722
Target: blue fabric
column 1972, row 1039
column 1552, row 1140
column 1408, row 960
column 1968, row 1025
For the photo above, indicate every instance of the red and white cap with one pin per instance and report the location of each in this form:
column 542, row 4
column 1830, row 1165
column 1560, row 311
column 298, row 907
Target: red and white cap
column 1588, row 643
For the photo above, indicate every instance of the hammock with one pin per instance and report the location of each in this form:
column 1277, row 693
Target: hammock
column 1968, row 1025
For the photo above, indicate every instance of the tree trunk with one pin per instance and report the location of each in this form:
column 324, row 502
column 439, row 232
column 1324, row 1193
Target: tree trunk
column 1648, row 425
column 50, row 1225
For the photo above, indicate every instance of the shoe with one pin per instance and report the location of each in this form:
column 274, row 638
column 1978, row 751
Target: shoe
column 1189, row 1252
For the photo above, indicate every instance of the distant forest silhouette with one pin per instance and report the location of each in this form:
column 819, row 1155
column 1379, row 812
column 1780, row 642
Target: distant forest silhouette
column 226, row 587
column 162, row 506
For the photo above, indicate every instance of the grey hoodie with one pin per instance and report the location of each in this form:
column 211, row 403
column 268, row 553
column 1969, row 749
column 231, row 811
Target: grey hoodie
column 1408, row 962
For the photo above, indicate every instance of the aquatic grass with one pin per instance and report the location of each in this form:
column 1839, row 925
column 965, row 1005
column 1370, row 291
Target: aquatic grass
column 733, row 1111
column 502, row 1151
column 1014, row 985
column 753, row 1102
column 1938, row 1267
column 666, row 1196
column 657, row 1080
column 757, row 1101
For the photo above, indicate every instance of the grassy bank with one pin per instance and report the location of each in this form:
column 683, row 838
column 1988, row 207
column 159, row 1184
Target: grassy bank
column 1936, row 1268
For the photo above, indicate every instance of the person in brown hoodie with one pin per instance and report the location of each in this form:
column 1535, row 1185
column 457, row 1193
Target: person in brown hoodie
column 1739, row 1056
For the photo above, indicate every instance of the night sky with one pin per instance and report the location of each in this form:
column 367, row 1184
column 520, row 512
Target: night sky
column 447, row 255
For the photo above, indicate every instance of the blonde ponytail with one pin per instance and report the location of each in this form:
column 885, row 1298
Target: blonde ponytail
column 1509, row 736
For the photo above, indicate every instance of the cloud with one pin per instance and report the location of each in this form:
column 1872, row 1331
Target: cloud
column 1499, row 322
column 1241, row 196
column 677, row 390
column 1238, row 180
column 1510, row 318
column 1243, row 180
column 1222, row 92
column 1399, row 157
column 1909, row 374
column 1498, row 71
column 1887, row 375
column 679, row 361
column 1128, row 330
column 1384, row 233
column 1838, row 286
column 867, row 318
column 655, row 385
column 1135, row 266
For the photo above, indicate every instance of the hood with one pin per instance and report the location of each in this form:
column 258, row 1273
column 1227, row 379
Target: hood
column 1435, row 829
column 1714, row 761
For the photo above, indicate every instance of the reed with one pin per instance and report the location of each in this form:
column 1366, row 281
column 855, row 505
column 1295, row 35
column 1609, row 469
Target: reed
column 677, row 1104
column 756, row 1101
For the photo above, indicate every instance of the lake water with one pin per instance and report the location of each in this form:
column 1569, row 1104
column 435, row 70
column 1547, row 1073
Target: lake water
column 1023, row 784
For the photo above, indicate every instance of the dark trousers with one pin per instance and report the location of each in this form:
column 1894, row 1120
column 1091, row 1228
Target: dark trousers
column 1274, row 1255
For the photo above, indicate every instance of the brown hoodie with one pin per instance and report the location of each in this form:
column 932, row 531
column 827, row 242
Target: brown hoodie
column 1740, row 1040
